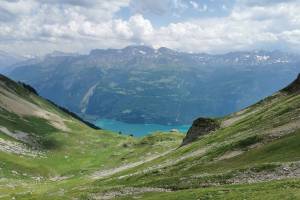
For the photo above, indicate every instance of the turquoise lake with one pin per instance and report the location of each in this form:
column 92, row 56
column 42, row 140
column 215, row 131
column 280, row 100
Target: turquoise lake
column 137, row 129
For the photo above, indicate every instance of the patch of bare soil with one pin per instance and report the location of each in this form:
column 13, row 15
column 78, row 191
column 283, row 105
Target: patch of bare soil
column 109, row 172
column 13, row 103
column 237, row 117
column 230, row 154
column 283, row 130
column 283, row 172
column 168, row 162
column 127, row 191
column 59, row 178
column 18, row 135
column 17, row 148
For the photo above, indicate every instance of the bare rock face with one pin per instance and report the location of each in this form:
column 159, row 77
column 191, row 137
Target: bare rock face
column 294, row 87
column 200, row 127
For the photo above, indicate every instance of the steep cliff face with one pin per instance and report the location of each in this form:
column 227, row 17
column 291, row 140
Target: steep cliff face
column 200, row 127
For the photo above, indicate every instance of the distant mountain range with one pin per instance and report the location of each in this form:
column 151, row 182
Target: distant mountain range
column 140, row 84
column 7, row 59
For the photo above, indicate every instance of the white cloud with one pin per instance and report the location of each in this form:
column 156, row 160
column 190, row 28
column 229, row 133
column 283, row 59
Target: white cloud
column 198, row 7
column 292, row 36
column 141, row 28
column 80, row 25
column 263, row 2
column 158, row 7
column 272, row 26
column 194, row 4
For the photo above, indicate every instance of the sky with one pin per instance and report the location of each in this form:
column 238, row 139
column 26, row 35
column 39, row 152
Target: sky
column 37, row 27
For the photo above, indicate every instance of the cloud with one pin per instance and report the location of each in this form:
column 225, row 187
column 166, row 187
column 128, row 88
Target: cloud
column 194, row 4
column 275, row 26
column 264, row 2
column 31, row 26
column 141, row 28
column 198, row 7
column 5, row 15
column 82, row 3
column 159, row 7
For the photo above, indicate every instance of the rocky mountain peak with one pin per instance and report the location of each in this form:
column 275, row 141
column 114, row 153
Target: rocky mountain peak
column 129, row 50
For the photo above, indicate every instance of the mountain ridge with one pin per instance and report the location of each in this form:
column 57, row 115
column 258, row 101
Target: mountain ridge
column 10, row 83
column 162, row 79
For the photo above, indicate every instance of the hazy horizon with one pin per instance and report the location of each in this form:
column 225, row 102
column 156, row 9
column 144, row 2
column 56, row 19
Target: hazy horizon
column 75, row 53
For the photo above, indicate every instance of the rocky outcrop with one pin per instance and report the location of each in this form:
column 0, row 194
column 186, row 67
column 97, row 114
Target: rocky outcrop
column 294, row 87
column 200, row 127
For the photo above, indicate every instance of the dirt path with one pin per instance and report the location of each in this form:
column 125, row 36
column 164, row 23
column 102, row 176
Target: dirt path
column 105, row 173
column 237, row 117
column 168, row 162
column 283, row 130
column 127, row 191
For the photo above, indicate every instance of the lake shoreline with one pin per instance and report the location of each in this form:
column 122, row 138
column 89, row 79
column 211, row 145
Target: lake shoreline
column 138, row 130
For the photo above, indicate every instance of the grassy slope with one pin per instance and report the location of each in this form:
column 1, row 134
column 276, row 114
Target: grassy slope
column 71, row 154
column 286, row 190
column 265, row 135
column 263, row 150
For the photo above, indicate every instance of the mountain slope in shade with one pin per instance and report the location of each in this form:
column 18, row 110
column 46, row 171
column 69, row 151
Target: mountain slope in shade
column 253, row 154
column 139, row 84
column 21, row 106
